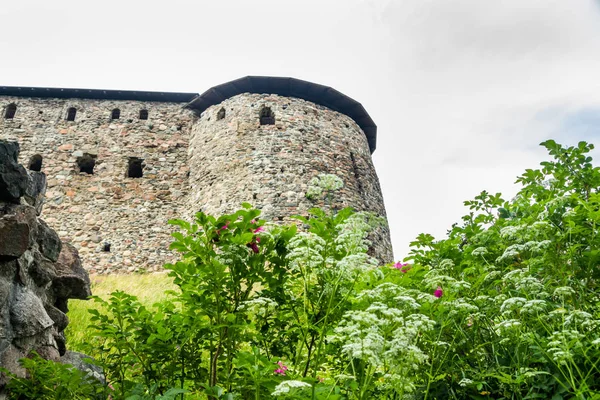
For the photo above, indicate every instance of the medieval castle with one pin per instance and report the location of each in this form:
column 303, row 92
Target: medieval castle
column 120, row 164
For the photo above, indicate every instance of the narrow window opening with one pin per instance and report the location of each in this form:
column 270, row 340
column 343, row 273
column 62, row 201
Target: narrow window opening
column 71, row 112
column 267, row 117
column 35, row 163
column 356, row 172
column 144, row 114
column 86, row 163
column 135, row 167
column 221, row 114
column 10, row 112
column 106, row 247
column 116, row 114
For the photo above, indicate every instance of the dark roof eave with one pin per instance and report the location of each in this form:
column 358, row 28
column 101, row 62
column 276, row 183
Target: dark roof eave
column 97, row 94
column 291, row 87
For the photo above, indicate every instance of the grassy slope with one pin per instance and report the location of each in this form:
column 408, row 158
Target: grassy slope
column 149, row 289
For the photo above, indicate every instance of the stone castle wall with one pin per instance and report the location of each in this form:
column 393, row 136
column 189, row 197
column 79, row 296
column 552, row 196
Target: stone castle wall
column 87, row 210
column 190, row 164
column 235, row 159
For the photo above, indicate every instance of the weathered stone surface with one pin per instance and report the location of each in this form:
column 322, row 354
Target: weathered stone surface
column 83, row 363
column 235, row 159
column 31, row 316
column 72, row 281
column 13, row 177
column 27, row 314
column 60, row 319
column 49, row 242
column 36, row 188
column 189, row 163
column 9, row 359
column 42, row 271
column 48, row 353
column 88, row 210
column 14, row 237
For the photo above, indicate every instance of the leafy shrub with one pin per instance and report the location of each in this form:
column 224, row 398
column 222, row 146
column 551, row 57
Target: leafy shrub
column 48, row 380
column 507, row 306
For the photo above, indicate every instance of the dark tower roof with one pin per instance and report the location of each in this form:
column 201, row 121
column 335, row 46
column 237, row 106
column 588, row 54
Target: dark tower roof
column 98, row 94
column 290, row 87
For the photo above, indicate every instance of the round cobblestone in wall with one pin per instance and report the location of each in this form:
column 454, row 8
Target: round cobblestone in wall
column 235, row 159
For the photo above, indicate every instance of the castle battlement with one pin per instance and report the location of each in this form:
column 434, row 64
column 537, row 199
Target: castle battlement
column 120, row 164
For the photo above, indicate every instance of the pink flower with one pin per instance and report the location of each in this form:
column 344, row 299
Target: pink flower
column 402, row 267
column 254, row 247
column 253, row 221
column 224, row 227
column 281, row 370
column 259, row 229
column 438, row 292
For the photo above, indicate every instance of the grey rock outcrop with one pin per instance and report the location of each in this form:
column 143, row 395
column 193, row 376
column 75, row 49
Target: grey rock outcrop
column 38, row 273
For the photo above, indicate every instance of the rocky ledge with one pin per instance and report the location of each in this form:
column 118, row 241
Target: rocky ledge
column 38, row 273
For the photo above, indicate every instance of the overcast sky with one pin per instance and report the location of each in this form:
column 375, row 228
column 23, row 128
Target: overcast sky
column 462, row 91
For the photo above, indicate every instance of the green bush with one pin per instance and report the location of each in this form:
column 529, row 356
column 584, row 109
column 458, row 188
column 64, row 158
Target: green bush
column 506, row 307
column 47, row 380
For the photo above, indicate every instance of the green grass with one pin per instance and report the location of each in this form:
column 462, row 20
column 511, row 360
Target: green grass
column 149, row 289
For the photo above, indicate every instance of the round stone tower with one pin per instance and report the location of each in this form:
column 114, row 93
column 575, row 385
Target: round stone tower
column 262, row 139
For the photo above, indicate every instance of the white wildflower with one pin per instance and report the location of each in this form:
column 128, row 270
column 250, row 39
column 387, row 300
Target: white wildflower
column 305, row 250
column 563, row 291
column 323, row 182
column 286, row 387
column 507, row 324
column 445, row 265
column 407, row 302
column 577, row 318
column 480, row 251
column 259, row 306
column 534, row 307
column 512, row 304
column 464, row 382
column 510, row 232
column 510, row 252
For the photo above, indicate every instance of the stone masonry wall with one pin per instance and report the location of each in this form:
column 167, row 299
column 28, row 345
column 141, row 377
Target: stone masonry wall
column 234, row 159
column 107, row 207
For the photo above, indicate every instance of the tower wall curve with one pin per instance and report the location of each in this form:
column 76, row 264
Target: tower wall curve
column 233, row 158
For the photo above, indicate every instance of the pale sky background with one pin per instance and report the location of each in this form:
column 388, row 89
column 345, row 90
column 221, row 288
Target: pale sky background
column 462, row 91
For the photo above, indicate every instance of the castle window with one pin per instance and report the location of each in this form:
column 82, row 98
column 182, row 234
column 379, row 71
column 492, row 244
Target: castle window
column 221, row 114
column 267, row 117
column 35, row 163
column 86, row 163
column 10, row 112
column 144, row 114
column 135, row 168
column 71, row 112
column 115, row 114
column 106, row 247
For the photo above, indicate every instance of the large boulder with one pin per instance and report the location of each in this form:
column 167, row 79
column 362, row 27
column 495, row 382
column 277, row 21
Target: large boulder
column 49, row 242
column 13, row 176
column 72, row 280
column 38, row 273
column 36, row 188
column 28, row 316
